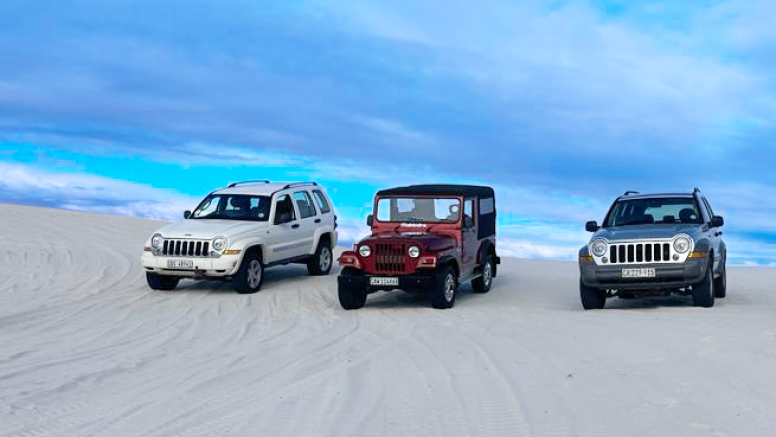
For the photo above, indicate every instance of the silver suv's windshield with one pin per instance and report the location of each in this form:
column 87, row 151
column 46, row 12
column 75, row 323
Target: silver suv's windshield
column 418, row 210
column 657, row 210
column 233, row 207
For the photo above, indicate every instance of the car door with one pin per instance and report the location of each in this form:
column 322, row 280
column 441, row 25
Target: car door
column 714, row 235
column 308, row 219
column 470, row 244
column 284, row 237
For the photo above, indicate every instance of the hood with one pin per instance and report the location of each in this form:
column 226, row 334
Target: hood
column 646, row 232
column 206, row 229
column 429, row 241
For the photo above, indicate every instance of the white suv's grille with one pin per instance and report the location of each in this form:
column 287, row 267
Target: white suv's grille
column 188, row 248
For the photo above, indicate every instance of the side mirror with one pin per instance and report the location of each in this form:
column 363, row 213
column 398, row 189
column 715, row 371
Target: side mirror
column 591, row 226
column 717, row 221
column 467, row 222
column 370, row 220
column 187, row 214
column 282, row 217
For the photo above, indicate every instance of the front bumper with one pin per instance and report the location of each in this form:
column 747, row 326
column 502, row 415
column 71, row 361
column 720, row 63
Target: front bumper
column 226, row 265
column 667, row 276
column 406, row 282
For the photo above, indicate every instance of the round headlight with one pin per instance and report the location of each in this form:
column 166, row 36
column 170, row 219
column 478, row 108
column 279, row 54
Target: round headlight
column 157, row 241
column 414, row 251
column 365, row 251
column 599, row 247
column 219, row 244
column 682, row 244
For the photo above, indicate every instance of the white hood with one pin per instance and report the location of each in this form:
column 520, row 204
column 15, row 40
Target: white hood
column 206, row 228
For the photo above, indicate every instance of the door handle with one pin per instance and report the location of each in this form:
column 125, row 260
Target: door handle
column 317, row 220
column 295, row 225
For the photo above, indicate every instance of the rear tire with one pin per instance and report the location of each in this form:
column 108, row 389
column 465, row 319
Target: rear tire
column 160, row 282
column 703, row 292
column 483, row 283
column 592, row 298
column 720, row 284
column 249, row 278
column 445, row 288
column 320, row 263
column 351, row 297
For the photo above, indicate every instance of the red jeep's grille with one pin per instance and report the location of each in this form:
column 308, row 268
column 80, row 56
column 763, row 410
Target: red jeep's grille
column 389, row 258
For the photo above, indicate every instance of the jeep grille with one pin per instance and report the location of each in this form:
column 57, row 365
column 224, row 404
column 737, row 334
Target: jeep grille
column 186, row 248
column 389, row 258
column 634, row 253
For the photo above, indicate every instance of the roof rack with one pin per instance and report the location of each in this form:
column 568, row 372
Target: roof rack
column 697, row 190
column 257, row 181
column 300, row 184
column 628, row 193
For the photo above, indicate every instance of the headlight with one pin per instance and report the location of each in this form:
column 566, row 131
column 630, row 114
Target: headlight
column 157, row 241
column 599, row 247
column 414, row 251
column 219, row 243
column 365, row 251
column 682, row 244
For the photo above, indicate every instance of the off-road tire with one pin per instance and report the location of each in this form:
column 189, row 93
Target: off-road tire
column 592, row 298
column 161, row 282
column 351, row 297
column 484, row 282
column 441, row 295
column 720, row 284
column 245, row 281
column 703, row 292
column 320, row 263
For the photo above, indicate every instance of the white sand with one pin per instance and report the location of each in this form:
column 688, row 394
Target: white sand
column 87, row 349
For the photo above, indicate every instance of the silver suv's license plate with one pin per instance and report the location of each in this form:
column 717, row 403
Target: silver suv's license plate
column 638, row 273
column 384, row 282
column 180, row 264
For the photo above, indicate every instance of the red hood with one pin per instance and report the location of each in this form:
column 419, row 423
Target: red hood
column 428, row 241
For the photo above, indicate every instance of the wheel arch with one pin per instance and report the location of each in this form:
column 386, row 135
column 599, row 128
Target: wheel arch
column 449, row 260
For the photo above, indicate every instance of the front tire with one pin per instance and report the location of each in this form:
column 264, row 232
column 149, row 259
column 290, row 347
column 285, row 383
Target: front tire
column 445, row 288
column 703, row 292
column 592, row 298
column 483, row 283
column 720, row 284
column 320, row 263
column 249, row 278
column 160, row 282
column 351, row 297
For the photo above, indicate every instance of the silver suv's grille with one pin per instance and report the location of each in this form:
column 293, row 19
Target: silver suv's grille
column 640, row 253
column 187, row 248
column 389, row 258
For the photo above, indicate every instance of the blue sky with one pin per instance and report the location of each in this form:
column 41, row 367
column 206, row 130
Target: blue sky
column 140, row 107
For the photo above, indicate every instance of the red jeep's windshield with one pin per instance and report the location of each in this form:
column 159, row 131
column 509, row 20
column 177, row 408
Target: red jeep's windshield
column 418, row 210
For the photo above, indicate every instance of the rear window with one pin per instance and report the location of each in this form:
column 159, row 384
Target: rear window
column 320, row 199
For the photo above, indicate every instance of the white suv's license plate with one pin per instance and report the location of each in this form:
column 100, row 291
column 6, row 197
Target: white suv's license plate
column 384, row 282
column 638, row 273
column 180, row 264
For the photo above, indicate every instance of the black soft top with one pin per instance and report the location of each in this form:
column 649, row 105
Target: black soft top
column 439, row 190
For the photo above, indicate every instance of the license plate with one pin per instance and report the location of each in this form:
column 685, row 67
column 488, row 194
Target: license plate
column 186, row 264
column 638, row 273
column 390, row 282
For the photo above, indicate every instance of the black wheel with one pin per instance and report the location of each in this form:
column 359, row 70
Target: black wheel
column 445, row 288
column 592, row 298
column 251, row 274
column 320, row 263
column 159, row 282
column 703, row 292
column 351, row 297
column 483, row 283
column 720, row 284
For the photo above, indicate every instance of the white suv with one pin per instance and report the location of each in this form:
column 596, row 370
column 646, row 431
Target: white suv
column 238, row 231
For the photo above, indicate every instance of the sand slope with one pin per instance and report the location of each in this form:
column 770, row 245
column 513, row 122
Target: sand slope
column 87, row 350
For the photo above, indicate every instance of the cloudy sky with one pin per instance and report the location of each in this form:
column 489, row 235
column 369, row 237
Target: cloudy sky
column 140, row 107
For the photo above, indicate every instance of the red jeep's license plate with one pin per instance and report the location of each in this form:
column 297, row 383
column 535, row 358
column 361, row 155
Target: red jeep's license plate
column 383, row 282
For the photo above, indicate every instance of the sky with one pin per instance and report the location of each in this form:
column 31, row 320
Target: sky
column 142, row 107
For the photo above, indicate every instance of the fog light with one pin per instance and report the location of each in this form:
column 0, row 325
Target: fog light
column 676, row 257
column 605, row 260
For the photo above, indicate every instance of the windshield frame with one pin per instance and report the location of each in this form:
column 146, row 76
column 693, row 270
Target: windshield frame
column 429, row 222
column 692, row 199
column 224, row 196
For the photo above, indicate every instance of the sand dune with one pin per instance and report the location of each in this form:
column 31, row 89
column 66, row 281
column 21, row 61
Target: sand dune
column 86, row 349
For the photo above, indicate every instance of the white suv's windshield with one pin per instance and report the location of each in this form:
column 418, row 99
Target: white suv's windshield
column 657, row 210
column 233, row 207
column 420, row 210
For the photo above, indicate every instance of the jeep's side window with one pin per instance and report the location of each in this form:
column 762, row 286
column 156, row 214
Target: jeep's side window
column 304, row 203
column 323, row 205
column 285, row 207
column 468, row 210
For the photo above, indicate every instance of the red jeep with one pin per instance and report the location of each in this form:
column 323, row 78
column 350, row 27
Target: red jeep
column 424, row 238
